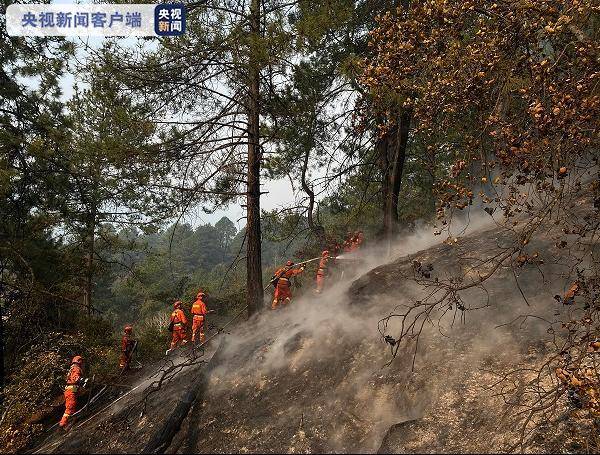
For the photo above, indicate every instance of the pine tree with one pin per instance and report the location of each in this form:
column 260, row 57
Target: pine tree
column 208, row 91
column 115, row 171
column 32, row 123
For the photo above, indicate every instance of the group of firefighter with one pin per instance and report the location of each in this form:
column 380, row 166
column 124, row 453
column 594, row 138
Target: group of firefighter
column 177, row 326
column 179, row 322
column 281, row 279
column 76, row 380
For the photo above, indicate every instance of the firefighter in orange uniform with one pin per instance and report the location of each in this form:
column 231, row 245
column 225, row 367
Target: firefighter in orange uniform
column 322, row 271
column 348, row 243
column 281, row 281
column 357, row 240
column 127, row 346
column 177, row 326
column 199, row 313
column 360, row 238
column 334, row 267
column 75, row 381
column 335, row 248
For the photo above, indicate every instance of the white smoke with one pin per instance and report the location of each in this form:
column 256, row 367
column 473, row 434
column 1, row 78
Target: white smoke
column 359, row 406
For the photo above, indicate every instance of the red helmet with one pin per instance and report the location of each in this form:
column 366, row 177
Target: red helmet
column 77, row 359
column 128, row 329
column 200, row 293
column 289, row 263
column 177, row 304
column 325, row 253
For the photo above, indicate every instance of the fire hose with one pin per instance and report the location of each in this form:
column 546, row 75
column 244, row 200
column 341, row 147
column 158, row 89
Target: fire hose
column 294, row 265
column 306, row 262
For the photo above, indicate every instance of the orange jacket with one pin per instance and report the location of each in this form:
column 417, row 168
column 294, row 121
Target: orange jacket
column 178, row 317
column 287, row 274
column 73, row 377
column 126, row 343
column 335, row 249
column 323, row 263
column 199, row 307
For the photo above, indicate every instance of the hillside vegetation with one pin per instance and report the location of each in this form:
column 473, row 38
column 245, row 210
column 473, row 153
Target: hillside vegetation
column 462, row 133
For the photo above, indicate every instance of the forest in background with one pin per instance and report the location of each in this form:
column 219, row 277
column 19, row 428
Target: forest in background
column 382, row 114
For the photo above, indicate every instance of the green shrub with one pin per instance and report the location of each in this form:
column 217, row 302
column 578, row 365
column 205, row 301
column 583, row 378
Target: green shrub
column 153, row 337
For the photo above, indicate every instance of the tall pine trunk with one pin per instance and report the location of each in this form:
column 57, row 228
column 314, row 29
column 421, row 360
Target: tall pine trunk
column 316, row 228
column 392, row 152
column 89, row 260
column 392, row 148
column 254, row 282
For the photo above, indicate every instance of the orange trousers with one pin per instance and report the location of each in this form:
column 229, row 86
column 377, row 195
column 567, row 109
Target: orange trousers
column 198, row 328
column 179, row 336
column 283, row 294
column 124, row 361
column 70, row 406
column 320, row 280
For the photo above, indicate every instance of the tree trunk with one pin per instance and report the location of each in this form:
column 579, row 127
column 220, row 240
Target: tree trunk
column 89, row 260
column 318, row 230
column 254, row 284
column 393, row 149
column 382, row 147
column 2, row 355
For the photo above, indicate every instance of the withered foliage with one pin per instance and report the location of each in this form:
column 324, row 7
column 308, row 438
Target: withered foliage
column 509, row 90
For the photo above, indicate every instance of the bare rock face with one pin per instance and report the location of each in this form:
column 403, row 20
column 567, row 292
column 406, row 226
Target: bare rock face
column 395, row 437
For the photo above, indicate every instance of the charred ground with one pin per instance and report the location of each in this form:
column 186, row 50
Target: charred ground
column 317, row 376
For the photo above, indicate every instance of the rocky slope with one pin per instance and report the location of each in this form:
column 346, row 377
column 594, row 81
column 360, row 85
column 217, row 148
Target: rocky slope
column 318, row 377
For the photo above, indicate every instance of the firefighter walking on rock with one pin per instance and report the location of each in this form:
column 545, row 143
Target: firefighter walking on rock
column 359, row 238
column 348, row 243
column 199, row 312
column 75, row 382
column 177, row 326
column 281, row 281
column 322, row 271
column 127, row 348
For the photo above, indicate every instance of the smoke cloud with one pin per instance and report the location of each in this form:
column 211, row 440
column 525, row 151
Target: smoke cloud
column 320, row 368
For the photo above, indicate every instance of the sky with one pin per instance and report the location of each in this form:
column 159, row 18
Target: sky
column 278, row 193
